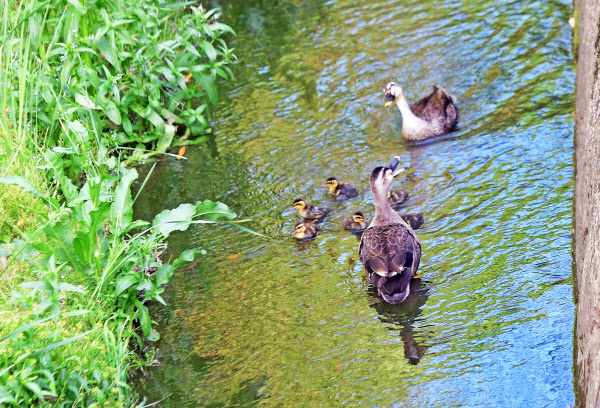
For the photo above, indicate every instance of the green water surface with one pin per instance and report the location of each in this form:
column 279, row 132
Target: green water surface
column 276, row 323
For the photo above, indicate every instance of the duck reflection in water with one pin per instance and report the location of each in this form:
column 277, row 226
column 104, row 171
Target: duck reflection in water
column 404, row 315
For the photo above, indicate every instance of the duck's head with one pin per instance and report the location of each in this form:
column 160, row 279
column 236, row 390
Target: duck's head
column 382, row 178
column 391, row 91
column 300, row 204
column 358, row 217
column 299, row 228
column 332, row 183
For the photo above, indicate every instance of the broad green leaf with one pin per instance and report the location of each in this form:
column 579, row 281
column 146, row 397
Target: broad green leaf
column 35, row 285
column 85, row 101
column 211, row 53
column 127, row 125
column 165, row 138
column 208, row 84
column 110, row 53
column 62, row 245
column 163, row 274
column 155, row 119
column 56, row 163
column 145, row 320
column 124, row 282
column 153, row 336
column 112, row 112
column 121, row 210
column 77, row 5
column 213, row 210
column 186, row 256
column 222, row 27
column 69, row 288
column 177, row 219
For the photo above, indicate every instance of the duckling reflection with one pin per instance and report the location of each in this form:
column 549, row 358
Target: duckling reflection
column 341, row 191
column 309, row 211
column 356, row 222
column 404, row 315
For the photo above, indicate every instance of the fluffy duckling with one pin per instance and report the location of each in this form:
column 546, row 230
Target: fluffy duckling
column 414, row 220
column 340, row 191
column 355, row 222
column 434, row 115
column 305, row 230
column 389, row 249
column 309, row 211
column 397, row 197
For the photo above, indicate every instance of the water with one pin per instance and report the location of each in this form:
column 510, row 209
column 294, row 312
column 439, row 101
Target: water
column 286, row 324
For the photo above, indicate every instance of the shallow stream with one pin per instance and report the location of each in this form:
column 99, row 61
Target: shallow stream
column 282, row 324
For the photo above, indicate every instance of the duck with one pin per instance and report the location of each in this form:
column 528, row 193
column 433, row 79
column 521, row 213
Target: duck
column 341, row 191
column 434, row 115
column 355, row 222
column 309, row 211
column 415, row 221
column 397, row 197
column 305, row 230
column 389, row 249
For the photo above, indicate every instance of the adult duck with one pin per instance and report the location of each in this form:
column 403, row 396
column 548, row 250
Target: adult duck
column 341, row 191
column 309, row 211
column 434, row 115
column 389, row 249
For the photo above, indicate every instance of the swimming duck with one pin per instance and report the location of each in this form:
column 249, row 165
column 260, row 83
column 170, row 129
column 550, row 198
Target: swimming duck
column 414, row 220
column 434, row 115
column 356, row 221
column 397, row 197
column 309, row 211
column 389, row 248
column 340, row 191
column 305, row 230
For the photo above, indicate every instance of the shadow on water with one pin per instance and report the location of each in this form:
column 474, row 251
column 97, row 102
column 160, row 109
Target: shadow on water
column 279, row 323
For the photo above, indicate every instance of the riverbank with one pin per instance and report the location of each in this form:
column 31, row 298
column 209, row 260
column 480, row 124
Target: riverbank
column 85, row 91
column 587, row 206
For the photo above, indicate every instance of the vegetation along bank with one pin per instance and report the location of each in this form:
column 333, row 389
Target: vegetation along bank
column 87, row 87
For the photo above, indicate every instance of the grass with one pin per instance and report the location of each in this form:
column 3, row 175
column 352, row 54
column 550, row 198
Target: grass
column 77, row 83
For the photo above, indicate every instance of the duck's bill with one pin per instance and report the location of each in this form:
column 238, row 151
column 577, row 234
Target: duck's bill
column 390, row 100
column 393, row 166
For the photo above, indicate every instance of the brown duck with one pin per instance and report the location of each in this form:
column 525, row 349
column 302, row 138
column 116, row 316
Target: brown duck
column 389, row 248
column 341, row 191
column 305, row 230
column 434, row 115
column 355, row 222
column 309, row 211
column 414, row 220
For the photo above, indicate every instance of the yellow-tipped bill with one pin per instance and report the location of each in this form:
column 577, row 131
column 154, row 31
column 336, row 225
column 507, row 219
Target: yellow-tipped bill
column 388, row 103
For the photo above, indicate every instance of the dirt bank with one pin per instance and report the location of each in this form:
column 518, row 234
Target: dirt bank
column 587, row 208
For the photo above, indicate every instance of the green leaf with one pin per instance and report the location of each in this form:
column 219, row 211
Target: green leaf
column 213, row 210
column 211, row 53
column 26, row 184
column 77, row 5
column 163, row 274
column 112, row 112
column 110, row 53
column 56, row 345
column 166, row 138
column 186, row 256
column 177, row 219
column 145, row 321
column 62, row 245
column 153, row 336
column 127, row 125
column 85, row 101
column 36, row 285
column 69, row 288
column 124, row 282
column 121, row 210
column 208, row 84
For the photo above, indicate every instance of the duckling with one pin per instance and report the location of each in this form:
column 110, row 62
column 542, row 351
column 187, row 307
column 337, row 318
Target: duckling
column 340, row 191
column 309, row 211
column 397, row 197
column 389, row 248
column 355, row 222
column 414, row 220
column 305, row 230
column 434, row 115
